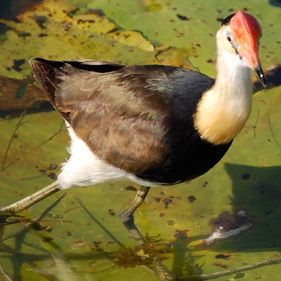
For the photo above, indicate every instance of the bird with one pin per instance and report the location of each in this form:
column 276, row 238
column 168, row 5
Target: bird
column 153, row 124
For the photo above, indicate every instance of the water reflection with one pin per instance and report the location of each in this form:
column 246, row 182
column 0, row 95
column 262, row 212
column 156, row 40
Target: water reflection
column 276, row 3
column 9, row 9
column 254, row 189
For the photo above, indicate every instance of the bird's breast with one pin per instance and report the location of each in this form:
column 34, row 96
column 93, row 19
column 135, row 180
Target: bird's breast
column 219, row 118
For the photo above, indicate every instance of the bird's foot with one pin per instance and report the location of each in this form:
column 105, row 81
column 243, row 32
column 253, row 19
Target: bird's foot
column 128, row 221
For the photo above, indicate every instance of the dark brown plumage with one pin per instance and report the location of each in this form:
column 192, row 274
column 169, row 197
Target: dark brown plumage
column 153, row 124
column 133, row 117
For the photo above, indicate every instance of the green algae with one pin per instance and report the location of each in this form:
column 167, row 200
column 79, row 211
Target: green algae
column 69, row 243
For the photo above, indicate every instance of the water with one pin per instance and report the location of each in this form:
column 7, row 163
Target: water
column 79, row 236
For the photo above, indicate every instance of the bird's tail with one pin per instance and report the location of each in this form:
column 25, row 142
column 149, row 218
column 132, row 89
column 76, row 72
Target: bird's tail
column 52, row 75
column 48, row 74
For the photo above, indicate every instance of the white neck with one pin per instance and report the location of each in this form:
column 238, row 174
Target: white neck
column 224, row 109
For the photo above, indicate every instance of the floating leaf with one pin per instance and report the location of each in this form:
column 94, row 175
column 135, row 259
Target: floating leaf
column 19, row 95
column 90, row 237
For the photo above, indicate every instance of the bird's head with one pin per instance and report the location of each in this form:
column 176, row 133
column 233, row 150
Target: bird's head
column 239, row 36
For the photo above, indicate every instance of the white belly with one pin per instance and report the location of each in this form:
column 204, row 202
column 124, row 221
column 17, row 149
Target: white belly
column 84, row 168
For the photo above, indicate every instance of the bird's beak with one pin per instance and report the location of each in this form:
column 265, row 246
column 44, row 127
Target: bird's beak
column 260, row 74
column 251, row 56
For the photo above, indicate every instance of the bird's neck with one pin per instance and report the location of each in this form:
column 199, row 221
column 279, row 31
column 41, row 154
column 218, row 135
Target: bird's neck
column 224, row 109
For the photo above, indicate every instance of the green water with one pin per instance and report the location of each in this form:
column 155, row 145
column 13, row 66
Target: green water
column 79, row 236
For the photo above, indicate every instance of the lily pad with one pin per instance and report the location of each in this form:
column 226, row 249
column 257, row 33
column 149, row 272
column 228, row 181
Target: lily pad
column 79, row 236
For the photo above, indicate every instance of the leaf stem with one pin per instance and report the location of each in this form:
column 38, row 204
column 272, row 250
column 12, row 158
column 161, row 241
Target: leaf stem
column 215, row 275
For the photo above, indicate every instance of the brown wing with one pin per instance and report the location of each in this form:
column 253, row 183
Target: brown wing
column 121, row 114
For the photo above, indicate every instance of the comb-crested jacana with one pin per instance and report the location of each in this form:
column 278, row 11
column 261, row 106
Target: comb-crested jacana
column 154, row 124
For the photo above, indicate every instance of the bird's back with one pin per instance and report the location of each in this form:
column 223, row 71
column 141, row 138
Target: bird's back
column 136, row 118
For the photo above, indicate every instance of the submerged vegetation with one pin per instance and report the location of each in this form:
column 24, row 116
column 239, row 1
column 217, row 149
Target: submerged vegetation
column 62, row 238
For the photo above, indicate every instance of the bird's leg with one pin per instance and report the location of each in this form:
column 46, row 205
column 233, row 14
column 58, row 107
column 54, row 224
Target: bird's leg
column 31, row 199
column 127, row 215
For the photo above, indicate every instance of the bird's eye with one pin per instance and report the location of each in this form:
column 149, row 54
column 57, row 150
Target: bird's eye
column 228, row 38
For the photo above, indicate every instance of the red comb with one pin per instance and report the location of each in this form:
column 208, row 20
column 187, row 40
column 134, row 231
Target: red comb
column 245, row 27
